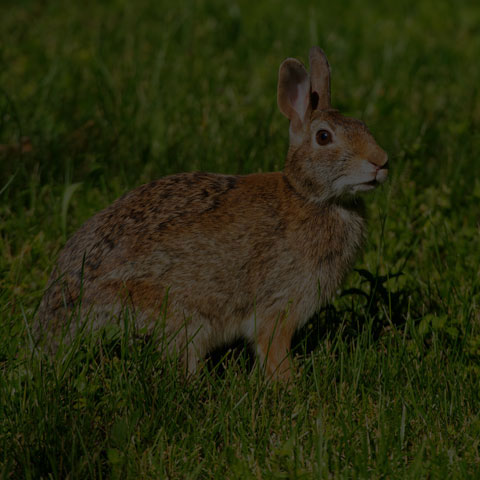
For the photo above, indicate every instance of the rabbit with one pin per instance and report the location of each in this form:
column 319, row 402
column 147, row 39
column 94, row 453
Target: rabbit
column 229, row 256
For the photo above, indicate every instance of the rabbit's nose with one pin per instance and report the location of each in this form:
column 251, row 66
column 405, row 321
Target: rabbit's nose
column 378, row 167
column 378, row 158
column 382, row 159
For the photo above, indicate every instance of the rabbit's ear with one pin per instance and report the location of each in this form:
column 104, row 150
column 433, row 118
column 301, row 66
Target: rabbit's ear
column 320, row 79
column 293, row 95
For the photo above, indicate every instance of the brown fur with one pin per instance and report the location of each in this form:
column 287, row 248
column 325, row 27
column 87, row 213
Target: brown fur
column 251, row 256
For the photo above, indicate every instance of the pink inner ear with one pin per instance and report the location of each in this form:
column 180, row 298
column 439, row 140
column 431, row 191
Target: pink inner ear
column 293, row 95
column 299, row 97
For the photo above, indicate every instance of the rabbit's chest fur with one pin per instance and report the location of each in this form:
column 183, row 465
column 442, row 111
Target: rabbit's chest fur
column 325, row 245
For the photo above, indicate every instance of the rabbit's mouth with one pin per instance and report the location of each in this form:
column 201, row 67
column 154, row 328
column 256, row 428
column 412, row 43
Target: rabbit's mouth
column 373, row 183
column 380, row 177
column 363, row 181
column 377, row 173
column 365, row 186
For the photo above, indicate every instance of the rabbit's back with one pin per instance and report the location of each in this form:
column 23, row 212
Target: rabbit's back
column 114, row 244
column 166, row 234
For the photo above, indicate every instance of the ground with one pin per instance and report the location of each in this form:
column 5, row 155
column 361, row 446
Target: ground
column 99, row 97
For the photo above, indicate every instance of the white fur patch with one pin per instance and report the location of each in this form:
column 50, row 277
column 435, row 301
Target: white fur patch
column 250, row 327
column 357, row 180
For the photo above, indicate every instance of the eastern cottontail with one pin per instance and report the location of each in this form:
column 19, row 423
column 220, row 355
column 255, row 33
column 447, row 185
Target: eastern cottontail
column 249, row 256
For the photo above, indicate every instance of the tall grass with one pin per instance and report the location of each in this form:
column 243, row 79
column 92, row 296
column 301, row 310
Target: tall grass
column 99, row 97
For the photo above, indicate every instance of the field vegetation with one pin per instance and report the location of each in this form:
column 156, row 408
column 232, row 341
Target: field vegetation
column 99, row 97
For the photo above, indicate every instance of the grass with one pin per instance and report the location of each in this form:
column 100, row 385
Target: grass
column 98, row 97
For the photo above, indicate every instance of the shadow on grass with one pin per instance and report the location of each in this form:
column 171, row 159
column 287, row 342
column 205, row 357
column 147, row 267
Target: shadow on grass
column 374, row 305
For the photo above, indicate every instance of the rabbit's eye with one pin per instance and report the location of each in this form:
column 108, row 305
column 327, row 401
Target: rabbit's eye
column 324, row 137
